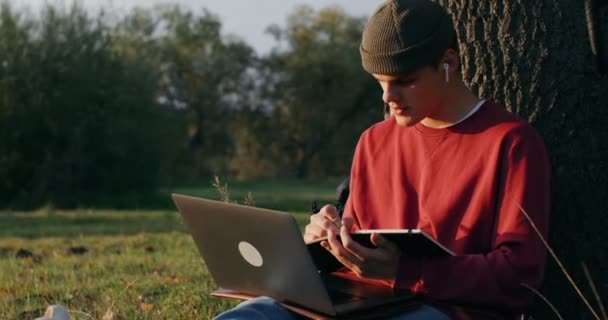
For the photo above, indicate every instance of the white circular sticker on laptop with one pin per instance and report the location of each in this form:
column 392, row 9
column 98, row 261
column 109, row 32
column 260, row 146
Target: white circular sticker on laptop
column 250, row 254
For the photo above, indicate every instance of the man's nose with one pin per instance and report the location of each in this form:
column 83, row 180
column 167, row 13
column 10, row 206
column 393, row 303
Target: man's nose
column 391, row 94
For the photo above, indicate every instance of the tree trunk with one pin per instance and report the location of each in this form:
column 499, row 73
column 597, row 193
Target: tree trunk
column 534, row 57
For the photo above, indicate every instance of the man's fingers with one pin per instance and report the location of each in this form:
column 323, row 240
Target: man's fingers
column 348, row 223
column 377, row 263
column 313, row 232
column 352, row 246
column 383, row 243
column 331, row 213
column 378, row 240
column 327, row 219
column 345, row 257
column 322, row 222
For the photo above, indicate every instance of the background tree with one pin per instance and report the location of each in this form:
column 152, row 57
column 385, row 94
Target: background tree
column 322, row 98
column 77, row 119
column 534, row 57
column 206, row 75
column 15, row 52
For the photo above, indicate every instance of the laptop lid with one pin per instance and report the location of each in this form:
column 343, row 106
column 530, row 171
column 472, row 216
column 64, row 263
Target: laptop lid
column 254, row 251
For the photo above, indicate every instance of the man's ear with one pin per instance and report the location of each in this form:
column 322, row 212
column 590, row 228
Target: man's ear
column 452, row 58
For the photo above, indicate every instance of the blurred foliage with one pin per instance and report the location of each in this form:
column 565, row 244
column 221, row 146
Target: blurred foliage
column 76, row 117
column 160, row 96
column 322, row 98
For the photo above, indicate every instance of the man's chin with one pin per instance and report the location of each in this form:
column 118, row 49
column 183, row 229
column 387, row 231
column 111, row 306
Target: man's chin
column 405, row 121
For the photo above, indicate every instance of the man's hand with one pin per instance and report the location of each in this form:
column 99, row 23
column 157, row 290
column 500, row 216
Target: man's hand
column 378, row 263
column 327, row 219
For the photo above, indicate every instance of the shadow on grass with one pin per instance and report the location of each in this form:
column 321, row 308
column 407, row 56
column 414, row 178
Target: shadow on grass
column 154, row 200
column 279, row 194
column 77, row 223
column 83, row 223
column 128, row 214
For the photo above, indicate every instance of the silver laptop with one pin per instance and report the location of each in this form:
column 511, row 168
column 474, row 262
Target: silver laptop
column 258, row 252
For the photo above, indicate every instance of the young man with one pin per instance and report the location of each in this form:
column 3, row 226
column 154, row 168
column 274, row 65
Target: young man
column 456, row 166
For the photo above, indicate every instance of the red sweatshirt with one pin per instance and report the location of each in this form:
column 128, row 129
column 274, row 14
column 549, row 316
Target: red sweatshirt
column 463, row 185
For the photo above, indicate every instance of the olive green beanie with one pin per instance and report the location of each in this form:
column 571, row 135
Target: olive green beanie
column 404, row 35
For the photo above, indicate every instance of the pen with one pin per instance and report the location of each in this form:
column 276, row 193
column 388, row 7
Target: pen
column 314, row 208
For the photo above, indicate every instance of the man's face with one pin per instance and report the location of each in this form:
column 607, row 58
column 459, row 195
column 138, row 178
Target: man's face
column 413, row 97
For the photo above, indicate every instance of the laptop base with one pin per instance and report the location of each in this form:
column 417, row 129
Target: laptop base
column 378, row 312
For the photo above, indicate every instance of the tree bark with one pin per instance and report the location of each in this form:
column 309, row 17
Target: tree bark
column 534, row 57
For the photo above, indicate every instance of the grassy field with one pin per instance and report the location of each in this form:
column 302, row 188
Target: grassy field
column 133, row 264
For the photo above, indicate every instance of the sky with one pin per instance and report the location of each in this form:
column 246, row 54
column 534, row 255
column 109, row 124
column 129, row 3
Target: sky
column 247, row 19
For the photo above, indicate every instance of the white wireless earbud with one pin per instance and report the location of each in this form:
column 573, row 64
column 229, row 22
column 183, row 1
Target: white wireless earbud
column 446, row 67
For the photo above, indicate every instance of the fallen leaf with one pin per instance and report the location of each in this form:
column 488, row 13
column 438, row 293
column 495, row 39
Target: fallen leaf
column 146, row 307
column 111, row 315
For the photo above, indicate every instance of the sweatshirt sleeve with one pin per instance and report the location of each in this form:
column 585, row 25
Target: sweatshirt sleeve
column 518, row 255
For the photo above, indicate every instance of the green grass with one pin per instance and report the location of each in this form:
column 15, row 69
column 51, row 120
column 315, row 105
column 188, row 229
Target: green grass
column 287, row 195
column 139, row 264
